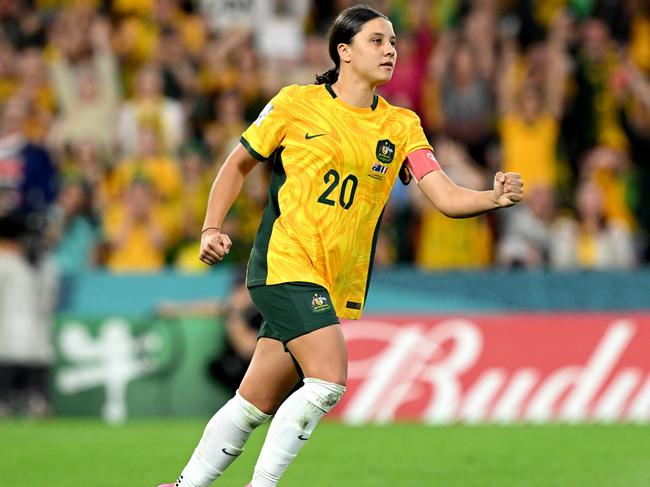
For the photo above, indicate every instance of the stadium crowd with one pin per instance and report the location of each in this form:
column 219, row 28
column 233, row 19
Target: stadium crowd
column 115, row 117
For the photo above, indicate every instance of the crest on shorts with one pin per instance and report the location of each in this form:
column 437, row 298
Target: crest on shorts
column 319, row 303
column 385, row 151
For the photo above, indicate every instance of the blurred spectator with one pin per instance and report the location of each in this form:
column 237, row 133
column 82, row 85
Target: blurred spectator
column 70, row 32
column 83, row 160
column 142, row 26
column 87, row 95
column 22, row 25
column 526, row 234
column 405, row 88
column 27, row 280
column 177, row 16
column 592, row 118
column 179, row 73
column 230, row 64
column 28, row 294
column 224, row 15
column 73, row 229
column 277, row 25
column 28, row 181
column 479, row 31
column 255, row 82
column 530, row 107
column 314, row 61
column 639, row 16
column 280, row 29
column 148, row 162
column 220, row 61
column 633, row 90
column 149, row 108
column 464, row 96
column 136, row 230
column 224, row 132
column 7, row 70
column 195, row 188
column 590, row 240
column 609, row 169
column 136, row 36
column 445, row 243
column 34, row 89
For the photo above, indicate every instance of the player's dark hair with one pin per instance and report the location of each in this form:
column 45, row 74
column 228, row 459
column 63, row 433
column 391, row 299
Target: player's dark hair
column 348, row 24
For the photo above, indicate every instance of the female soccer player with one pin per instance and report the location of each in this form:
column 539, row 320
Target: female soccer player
column 337, row 149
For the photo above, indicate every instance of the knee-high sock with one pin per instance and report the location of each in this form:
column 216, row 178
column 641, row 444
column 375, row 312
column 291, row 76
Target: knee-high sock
column 222, row 442
column 291, row 428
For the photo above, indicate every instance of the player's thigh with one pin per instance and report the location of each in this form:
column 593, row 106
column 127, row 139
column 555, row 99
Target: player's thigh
column 270, row 376
column 322, row 354
column 301, row 315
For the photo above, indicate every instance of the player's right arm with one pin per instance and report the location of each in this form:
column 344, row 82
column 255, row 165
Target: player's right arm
column 256, row 145
column 225, row 189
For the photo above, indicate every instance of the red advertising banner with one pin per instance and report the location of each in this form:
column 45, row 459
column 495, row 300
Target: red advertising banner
column 499, row 368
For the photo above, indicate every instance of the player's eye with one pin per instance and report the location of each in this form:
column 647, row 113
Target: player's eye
column 376, row 41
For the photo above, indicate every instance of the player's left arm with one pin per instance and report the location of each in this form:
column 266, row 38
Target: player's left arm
column 456, row 201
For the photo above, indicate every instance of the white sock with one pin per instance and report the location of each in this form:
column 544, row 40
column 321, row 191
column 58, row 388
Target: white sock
column 292, row 426
column 222, row 442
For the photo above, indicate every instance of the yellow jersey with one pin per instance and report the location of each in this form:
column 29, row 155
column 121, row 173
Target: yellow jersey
column 334, row 166
column 529, row 148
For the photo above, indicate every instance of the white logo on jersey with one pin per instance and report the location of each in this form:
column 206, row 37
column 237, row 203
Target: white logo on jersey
column 267, row 109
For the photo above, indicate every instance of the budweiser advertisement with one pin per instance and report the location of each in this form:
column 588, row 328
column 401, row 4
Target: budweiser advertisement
column 498, row 368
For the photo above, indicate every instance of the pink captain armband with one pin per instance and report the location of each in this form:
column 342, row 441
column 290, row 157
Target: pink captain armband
column 421, row 162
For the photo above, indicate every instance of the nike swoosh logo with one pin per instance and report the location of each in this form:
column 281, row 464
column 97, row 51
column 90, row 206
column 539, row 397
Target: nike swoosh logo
column 307, row 136
column 229, row 454
column 300, row 437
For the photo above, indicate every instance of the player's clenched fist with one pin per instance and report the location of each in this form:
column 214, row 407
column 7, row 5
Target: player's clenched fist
column 508, row 189
column 214, row 246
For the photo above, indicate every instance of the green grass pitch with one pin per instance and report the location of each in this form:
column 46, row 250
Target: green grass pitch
column 86, row 453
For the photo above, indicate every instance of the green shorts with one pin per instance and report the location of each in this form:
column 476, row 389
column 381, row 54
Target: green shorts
column 292, row 309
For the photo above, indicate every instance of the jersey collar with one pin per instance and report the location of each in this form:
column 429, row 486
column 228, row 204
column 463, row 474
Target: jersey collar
column 375, row 98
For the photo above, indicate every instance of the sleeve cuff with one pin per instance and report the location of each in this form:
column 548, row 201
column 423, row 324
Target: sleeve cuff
column 252, row 151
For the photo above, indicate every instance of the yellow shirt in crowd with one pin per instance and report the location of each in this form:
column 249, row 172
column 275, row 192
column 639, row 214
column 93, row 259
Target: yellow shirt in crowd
column 529, row 148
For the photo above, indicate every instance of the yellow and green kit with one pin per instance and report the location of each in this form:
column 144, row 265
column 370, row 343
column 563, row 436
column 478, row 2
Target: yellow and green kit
column 334, row 166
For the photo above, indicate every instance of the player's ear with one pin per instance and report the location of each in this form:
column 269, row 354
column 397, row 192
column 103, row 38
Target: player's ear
column 344, row 52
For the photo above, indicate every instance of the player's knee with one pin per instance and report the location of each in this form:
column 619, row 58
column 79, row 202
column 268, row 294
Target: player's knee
column 340, row 379
column 336, row 373
column 323, row 394
column 266, row 404
column 335, row 376
column 331, row 376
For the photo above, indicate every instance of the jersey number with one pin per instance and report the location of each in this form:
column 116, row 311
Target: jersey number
column 348, row 189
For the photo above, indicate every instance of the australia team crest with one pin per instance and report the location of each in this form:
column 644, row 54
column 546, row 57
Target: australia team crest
column 319, row 303
column 385, row 151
